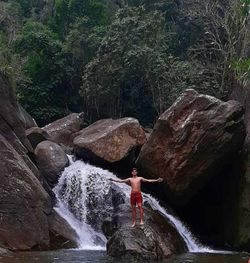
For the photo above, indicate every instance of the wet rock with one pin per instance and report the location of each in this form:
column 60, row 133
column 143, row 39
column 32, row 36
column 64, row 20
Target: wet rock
column 63, row 130
column 51, row 160
column 61, row 233
column 156, row 240
column 108, row 140
column 191, row 142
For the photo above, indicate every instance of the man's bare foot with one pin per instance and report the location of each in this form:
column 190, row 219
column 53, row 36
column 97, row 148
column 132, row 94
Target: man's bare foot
column 133, row 225
column 142, row 223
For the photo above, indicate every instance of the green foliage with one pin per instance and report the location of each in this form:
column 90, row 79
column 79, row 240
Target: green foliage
column 241, row 65
column 134, row 61
column 242, row 69
column 51, row 49
column 44, row 67
column 133, row 72
column 8, row 62
column 68, row 11
column 244, row 7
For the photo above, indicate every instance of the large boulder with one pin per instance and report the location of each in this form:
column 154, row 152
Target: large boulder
column 109, row 140
column 191, row 142
column 51, row 160
column 36, row 135
column 157, row 239
column 24, row 204
column 63, row 130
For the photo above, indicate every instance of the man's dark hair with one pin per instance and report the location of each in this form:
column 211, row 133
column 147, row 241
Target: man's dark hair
column 134, row 168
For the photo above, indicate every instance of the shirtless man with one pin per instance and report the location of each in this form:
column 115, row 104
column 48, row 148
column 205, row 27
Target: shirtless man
column 136, row 196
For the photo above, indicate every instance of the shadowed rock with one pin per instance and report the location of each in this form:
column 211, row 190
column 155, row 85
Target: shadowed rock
column 242, row 240
column 191, row 142
column 36, row 135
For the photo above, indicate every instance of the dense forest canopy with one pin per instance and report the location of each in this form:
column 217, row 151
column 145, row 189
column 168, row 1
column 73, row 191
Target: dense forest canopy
column 121, row 58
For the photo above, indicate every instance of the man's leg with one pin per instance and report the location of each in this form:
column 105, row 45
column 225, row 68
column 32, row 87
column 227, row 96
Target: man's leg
column 133, row 215
column 141, row 214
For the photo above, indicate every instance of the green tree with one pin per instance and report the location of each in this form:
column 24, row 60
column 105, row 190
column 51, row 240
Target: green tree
column 44, row 95
column 226, row 25
column 134, row 72
column 68, row 11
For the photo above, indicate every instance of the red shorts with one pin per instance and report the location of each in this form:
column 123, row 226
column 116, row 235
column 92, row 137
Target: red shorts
column 136, row 198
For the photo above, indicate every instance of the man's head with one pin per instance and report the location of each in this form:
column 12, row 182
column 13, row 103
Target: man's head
column 134, row 171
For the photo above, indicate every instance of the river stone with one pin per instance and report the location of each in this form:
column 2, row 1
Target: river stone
column 63, row 130
column 109, row 140
column 191, row 142
column 23, row 203
column 156, row 240
column 36, row 135
column 51, row 160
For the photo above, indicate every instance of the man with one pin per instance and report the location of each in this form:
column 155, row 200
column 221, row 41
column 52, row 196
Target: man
column 136, row 196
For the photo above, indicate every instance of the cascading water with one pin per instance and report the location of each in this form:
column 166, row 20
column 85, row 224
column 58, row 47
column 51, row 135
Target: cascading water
column 85, row 199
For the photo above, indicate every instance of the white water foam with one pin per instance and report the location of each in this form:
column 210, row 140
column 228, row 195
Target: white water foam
column 83, row 189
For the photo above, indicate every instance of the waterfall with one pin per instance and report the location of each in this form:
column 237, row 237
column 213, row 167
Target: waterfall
column 84, row 199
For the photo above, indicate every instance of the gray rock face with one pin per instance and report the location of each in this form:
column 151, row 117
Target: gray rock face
column 23, row 203
column 51, row 160
column 109, row 140
column 63, row 130
column 156, row 240
column 191, row 142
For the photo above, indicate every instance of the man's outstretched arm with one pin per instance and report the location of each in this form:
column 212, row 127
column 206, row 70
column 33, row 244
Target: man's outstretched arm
column 119, row 180
column 152, row 180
